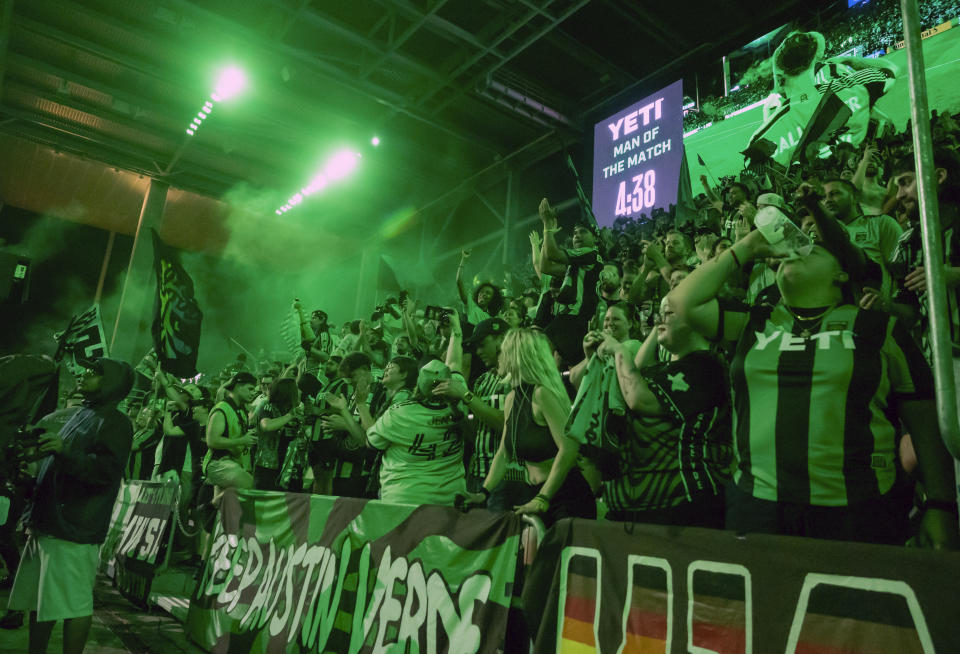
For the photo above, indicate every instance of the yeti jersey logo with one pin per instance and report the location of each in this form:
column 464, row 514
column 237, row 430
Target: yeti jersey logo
column 786, row 342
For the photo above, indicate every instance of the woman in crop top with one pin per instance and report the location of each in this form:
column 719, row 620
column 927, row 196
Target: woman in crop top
column 535, row 412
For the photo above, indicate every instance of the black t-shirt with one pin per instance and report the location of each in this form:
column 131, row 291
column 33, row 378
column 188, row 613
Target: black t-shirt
column 174, row 452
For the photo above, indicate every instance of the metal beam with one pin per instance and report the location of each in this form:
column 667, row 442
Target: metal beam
column 104, row 149
column 97, row 49
column 436, row 24
column 331, row 73
column 175, row 143
column 6, row 17
column 400, row 40
column 361, row 41
column 926, row 180
column 511, row 55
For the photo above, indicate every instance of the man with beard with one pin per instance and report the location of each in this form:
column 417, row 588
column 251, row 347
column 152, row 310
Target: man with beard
column 70, row 509
column 907, row 258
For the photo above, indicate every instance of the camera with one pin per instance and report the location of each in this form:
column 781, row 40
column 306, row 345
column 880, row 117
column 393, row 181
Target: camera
column 439, row 314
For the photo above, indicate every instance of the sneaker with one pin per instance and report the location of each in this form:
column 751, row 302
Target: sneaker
column 12, row 620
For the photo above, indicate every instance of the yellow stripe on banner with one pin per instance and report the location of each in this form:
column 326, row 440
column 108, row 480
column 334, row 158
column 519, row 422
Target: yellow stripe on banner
column 573, row 647
column 578, row 630
column 644, row 645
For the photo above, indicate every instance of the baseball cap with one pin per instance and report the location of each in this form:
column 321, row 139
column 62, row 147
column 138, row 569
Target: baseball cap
column 489, row 327
column 241, row 377
column 433, row 372
column 773, row 200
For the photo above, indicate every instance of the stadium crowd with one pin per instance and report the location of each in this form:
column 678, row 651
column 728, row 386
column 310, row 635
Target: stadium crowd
column 667, row 370
column 868, row 28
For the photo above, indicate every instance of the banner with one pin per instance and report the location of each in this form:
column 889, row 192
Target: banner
column 139, row 536
column 308, row 573
column 619, row 587
column 177, row 317
column 925, row 34
column 83, row 339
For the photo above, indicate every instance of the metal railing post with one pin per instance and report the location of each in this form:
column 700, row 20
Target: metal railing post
column 930, row 231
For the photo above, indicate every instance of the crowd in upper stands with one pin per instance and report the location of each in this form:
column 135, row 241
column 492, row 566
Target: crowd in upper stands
column 868, row 28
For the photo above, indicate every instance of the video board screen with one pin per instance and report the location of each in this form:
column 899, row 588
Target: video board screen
column 637, row 155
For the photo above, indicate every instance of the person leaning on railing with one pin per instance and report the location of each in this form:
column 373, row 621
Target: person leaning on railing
column 816, row 382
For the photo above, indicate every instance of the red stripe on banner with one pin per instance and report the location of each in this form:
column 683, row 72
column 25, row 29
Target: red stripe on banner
column 579, row 631
column 651, row 624
column 580, row 608
column 718, row 637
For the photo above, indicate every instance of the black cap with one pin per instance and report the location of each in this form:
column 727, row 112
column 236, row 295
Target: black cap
column 489, row 327
column 241, row 377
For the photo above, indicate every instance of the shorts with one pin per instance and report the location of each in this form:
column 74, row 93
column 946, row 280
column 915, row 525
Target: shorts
column 227, row 473
column 55, row 578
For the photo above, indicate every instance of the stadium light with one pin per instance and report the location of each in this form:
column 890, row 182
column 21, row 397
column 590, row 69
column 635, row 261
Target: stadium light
column 231, row 83
column 339, row 166
column 375, row 141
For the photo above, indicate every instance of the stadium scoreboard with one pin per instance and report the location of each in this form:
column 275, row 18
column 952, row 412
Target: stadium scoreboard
column 637, row 156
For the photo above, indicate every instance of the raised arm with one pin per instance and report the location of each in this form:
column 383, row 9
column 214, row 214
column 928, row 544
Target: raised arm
column 455, row 346
column 552, row 257
column 695, row 298
column 306, row 331
column 464, row 255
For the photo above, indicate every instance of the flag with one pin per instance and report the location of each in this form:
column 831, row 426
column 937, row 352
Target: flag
column 700, row 159
column 387, row 277
column 831, row 114
column 585, row 207
column 686, row 208
column 176, row 318
column 82, row 340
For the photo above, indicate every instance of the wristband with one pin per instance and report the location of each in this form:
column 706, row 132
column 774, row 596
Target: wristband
column 736, row 259
column 468, row 397
column 486, row 493
column 540, row 496
column 942, row 505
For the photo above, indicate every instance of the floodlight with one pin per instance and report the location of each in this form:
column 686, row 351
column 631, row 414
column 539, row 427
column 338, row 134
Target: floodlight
column 375, row 141
column 232, row 81
column 340, row 165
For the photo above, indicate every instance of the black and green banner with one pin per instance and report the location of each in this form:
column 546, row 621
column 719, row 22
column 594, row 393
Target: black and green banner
column 308, row 573
column 616, row 588
column 177, row 316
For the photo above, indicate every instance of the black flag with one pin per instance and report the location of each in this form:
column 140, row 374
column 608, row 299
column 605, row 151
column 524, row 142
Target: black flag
column 585, row 207
column 700, row 159
column 176, row 318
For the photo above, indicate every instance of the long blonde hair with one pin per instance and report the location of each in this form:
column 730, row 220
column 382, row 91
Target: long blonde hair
column 527, row 357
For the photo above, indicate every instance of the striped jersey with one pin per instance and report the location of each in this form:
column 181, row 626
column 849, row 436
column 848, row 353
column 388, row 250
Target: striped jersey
column 491, row 389
column 811, row 404
column 683, row 454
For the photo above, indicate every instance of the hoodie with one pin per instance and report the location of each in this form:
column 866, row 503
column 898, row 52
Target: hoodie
column 76, row 488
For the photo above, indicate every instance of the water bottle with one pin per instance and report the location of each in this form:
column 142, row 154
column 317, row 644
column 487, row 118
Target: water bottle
column 781, row 233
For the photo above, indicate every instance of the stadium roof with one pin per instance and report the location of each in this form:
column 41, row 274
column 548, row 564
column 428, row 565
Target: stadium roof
column 96, row 95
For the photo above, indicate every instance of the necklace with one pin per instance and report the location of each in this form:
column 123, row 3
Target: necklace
column 813, row 321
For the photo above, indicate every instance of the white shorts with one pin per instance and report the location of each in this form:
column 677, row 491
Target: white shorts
column 55, row 578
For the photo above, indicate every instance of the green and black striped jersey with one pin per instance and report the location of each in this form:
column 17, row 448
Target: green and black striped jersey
column 812, row 410
column 683, row 454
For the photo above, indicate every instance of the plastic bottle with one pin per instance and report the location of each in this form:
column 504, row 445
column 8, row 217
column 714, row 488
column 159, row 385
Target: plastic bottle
column 781, row 233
